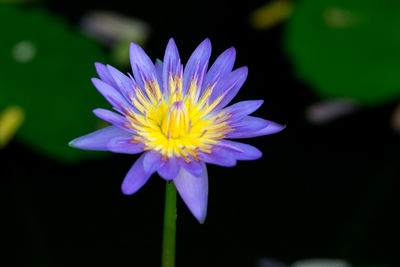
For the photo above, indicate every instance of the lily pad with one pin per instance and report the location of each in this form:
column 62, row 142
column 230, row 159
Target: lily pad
column 347, row 49
column 45, row 68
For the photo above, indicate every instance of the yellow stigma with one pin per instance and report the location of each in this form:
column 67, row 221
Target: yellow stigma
column 176, row 123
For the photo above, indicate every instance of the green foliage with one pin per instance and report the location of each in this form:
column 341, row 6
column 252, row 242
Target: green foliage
column 45, row 68
column 347, row 48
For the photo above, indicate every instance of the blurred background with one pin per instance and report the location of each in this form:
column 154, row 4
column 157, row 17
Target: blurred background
column 325, row 192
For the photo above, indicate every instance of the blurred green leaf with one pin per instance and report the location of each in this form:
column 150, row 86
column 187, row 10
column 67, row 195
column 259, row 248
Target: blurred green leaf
column 45, row 68
column 347, row 49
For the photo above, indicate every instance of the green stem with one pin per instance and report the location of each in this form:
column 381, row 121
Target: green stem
column 168, row 246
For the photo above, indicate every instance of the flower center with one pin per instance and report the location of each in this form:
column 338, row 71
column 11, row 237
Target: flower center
column 176, row 124
column 183, row 128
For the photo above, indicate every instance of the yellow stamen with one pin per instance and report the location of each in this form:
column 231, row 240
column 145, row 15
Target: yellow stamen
column 177, row 121
column 176, row 124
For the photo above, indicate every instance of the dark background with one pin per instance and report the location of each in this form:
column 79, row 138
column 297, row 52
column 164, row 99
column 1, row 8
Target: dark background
column 327, row 191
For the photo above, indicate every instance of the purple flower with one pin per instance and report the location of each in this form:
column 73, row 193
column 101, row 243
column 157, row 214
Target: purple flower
column 178, row 117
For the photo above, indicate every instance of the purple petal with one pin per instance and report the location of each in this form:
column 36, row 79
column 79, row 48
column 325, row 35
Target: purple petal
column 104, row 74
column 113, row 118
column 218, row 156
column 242, row 109
column 240, row 151
column 123, row 82
column 194, row 192
column 99, row 139
column 135, row 178
column 195, row 167
column 170, row 169
column 247, row 125
column 270, row 128
column 113, row 96
column 171, row 60
column 197, row 63
column 124, row 144
column 159, row 67
column 222, row 65
column 142, row 67
column 229, row 86
column 152, row 161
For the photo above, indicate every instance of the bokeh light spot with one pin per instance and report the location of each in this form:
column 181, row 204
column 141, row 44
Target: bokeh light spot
column 24, row 51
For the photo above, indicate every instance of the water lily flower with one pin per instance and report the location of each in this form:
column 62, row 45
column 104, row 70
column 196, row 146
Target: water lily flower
column 178, row 116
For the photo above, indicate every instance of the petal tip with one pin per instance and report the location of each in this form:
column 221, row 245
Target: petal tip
column 206, row 43
column 126, row 190
column 202, row 220
column 76, row 143
column 199, row 215
column 242, row 72
column 194, row 192
column 132, row 45
column 135, row 46
column 273, row 128
column 98, row 64
column 280, row 127
column 111, row 68
column 135, row 179
column 72, row 143
column 171, row 41
column 258, row 155
column 95, row 80
column 96, row 111
column 231, row 50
